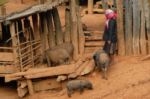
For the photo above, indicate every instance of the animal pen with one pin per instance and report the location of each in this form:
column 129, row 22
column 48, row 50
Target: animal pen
column 32, row 31
column 38, row 28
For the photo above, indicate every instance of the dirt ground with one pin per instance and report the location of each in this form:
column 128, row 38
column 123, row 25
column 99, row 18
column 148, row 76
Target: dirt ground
column 128, row 78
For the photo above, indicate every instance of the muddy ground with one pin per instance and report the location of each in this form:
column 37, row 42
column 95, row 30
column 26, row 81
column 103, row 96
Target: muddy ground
column 128, row 77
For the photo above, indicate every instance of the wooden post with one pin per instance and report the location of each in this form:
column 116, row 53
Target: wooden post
column 80, row 31
column 74, row 27
column 36, row 26
column 51, row 33
column 142, row 32
column 121, row 42
column 1, row 34
column 128, row 27
column 147, row 18
column 43, row 33
column 90, row 6
column 41, row 1
column 136, row 27
column 14, row 43
column 30, row 87
column 57, row 24
column 67, row 35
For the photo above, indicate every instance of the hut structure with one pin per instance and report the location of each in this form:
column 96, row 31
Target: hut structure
column 31, row 32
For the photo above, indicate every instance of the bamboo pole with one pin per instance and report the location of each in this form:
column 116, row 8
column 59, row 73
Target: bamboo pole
column 121, row 41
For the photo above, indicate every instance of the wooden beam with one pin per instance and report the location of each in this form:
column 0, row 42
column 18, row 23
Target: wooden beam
column 121, row 41
column 94, row 44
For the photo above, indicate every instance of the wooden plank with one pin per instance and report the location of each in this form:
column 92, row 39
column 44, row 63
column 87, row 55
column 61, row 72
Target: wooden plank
column 142, row 32
column 46, row 84
column 93, row 38
column 89, row 68
column 41, row 72
column 8, row 69
column 6, row 56
column 57, row 24
column 52, row 72
column 128, row 27
column 92, row 49
column 120, row 30
column 94, row 44
column 147, row 19
column 136, row 27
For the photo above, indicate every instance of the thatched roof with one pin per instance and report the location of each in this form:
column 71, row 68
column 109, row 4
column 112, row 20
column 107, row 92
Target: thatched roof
column 32, row 10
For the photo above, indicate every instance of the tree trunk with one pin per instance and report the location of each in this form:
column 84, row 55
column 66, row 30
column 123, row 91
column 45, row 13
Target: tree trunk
column 121, row 42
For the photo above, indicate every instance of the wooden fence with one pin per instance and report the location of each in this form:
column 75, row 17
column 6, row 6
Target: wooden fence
column 135, row 33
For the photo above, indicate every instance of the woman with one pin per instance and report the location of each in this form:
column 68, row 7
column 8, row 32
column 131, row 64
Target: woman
column 110, row 32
